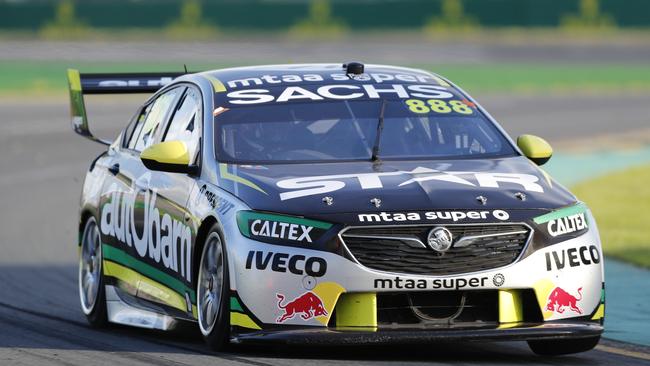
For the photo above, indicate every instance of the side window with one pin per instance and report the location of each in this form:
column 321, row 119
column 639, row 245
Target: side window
column 154, row 119
column 186, row 123
column 133, row 130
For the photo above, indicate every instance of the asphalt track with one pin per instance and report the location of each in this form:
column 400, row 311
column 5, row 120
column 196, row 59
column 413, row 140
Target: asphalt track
column 42, row 164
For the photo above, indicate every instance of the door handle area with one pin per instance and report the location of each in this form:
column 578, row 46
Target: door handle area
column 114, row 169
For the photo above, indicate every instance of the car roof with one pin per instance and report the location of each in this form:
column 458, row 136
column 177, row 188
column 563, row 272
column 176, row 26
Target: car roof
column 324, row 70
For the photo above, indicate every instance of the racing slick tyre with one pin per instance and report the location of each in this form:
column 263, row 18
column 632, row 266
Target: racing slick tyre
column 91, row 278
column 558, row 347
column 212, row 290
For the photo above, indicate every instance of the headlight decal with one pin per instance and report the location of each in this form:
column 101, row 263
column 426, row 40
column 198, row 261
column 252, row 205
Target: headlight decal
column 280, row 229
column 568, row 220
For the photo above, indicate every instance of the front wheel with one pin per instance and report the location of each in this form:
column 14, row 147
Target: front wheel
column 212, row 291
column 558, row 347
column 91, row 277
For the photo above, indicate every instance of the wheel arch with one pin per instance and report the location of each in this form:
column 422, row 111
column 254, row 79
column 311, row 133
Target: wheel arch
column 201, row 235
column 84, row 215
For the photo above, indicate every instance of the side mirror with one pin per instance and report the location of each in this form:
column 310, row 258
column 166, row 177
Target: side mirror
column 168, row 156
column 535, row 148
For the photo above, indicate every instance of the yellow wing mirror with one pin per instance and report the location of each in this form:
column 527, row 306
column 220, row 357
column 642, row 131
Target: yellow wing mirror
column 535, row 148
column 168, row 156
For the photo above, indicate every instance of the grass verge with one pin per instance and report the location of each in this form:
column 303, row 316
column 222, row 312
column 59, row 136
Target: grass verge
column 38, row 77
column 620, row 203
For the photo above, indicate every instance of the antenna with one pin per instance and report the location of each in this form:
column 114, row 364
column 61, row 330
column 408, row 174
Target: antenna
column 354, row 68
column 185, row 67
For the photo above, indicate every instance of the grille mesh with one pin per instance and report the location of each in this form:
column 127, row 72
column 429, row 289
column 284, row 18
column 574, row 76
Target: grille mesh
column 400, row 256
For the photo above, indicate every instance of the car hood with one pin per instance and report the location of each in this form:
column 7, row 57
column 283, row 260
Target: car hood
column 394, row 186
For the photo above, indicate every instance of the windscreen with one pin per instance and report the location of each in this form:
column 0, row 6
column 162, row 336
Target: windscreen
column 331, row 131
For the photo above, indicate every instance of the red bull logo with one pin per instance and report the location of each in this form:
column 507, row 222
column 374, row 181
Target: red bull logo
column 559, row 300
column 308, row 305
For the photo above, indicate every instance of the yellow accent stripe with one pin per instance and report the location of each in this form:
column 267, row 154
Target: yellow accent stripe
column 357, row 310
column 510, row 307
column 543, row 288
column 147, row 286
column 217, row 85
column 600, row 313
column 223, row 170
column 242, row 320
column 74, row 79
column 329, row 293
column 624, row 352
column 123, row 273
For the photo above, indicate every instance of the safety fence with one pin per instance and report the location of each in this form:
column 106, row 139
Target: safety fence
column 279, row 15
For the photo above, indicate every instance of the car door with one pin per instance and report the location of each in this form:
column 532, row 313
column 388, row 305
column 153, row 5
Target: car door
column 169, row 196
column 126, row 198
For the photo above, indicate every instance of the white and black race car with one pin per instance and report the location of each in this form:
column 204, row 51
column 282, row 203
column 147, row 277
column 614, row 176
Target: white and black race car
column 327, row 204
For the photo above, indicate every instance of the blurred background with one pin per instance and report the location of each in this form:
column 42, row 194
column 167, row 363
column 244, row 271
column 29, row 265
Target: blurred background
column 576, row 72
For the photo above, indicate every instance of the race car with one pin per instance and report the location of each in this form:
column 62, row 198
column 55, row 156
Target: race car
column 330, row 204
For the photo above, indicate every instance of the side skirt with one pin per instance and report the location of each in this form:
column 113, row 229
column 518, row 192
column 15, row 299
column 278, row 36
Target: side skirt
column 122, row 311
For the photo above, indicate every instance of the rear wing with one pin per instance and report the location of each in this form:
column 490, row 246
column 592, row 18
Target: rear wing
column 118, row 83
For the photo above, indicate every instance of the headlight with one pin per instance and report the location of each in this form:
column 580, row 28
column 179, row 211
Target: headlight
column 284, row 230
column 564, row 223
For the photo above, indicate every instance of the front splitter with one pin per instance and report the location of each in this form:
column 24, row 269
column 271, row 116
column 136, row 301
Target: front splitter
column 352, row 336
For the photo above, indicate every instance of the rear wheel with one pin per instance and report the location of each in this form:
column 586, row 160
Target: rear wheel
column 212, row 291
column 558, row 347
column 91, row 278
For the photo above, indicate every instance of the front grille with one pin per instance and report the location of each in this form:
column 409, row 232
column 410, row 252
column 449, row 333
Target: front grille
column 403, row 249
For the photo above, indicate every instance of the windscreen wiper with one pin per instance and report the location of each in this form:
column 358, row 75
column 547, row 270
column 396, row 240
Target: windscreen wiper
column 380, row 128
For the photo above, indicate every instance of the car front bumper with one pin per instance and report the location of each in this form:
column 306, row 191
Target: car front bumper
column 352, row 336
column 556, row 291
